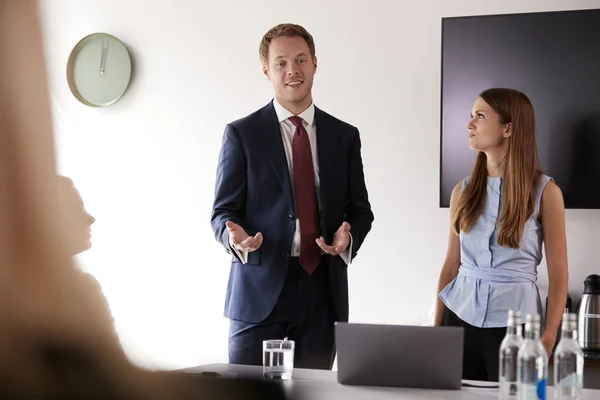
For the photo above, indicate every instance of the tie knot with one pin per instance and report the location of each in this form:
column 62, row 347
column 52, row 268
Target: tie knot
column 296, row 121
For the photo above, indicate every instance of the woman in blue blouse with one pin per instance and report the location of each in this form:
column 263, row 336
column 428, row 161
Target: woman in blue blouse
column 500, row 217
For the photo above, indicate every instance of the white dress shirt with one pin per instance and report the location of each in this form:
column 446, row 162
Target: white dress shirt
column 288, row 129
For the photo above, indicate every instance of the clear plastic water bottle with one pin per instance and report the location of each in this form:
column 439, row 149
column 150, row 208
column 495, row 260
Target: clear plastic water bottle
column 568, row 362
column 532, row 364
column 509, row 351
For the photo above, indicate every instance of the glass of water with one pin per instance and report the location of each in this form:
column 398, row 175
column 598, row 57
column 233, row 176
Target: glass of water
column 278, row 358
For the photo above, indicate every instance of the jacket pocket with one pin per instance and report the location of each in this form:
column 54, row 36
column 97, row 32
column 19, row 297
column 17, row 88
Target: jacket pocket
column 254, row 257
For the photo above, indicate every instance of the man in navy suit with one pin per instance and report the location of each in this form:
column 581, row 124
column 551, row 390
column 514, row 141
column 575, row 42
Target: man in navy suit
column 289, row 181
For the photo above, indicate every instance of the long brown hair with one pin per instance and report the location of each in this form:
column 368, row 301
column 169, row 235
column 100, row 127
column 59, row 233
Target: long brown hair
column 520, row 177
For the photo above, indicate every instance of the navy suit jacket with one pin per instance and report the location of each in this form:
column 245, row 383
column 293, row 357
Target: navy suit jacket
column 254, row 190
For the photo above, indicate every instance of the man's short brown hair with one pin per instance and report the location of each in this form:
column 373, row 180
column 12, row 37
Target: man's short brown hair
column 287, row 30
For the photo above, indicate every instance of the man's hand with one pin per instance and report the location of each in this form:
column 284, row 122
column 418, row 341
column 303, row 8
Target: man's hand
column 341, row 240
column 240, row 240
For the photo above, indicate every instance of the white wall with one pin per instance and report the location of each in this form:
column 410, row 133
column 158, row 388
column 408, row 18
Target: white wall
column 146, row 166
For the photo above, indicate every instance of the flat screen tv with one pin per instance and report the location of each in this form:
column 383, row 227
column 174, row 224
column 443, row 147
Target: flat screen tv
column 552, row 57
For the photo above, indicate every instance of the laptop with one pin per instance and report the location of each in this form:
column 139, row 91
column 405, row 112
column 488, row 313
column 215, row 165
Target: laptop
column 424, row 357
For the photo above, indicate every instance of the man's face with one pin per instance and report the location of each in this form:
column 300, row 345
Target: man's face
column 291, row 70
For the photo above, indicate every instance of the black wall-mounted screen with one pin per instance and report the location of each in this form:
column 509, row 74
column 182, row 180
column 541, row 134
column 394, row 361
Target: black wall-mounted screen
column 552, row 57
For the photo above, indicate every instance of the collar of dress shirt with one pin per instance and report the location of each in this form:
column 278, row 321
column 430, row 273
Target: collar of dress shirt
column 283, row 114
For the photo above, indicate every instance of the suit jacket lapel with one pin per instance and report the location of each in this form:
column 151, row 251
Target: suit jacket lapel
column 325, row 148
column 276, row 152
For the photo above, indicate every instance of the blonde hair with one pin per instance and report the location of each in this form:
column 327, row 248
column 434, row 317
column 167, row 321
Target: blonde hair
column 284, row 30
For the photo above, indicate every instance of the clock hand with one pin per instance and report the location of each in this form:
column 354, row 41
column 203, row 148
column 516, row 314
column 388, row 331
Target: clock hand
column 103, row 57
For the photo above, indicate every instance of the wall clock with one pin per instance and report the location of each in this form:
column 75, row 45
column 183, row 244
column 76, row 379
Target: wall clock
column 99, row 70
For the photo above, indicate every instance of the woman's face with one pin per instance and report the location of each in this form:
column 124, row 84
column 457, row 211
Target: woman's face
column 486, row 132
column 79, row 221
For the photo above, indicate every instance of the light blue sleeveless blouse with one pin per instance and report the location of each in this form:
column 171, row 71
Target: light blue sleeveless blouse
column 493, row 279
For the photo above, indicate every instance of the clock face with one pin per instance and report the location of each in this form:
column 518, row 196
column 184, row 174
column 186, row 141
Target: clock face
column 99, row 70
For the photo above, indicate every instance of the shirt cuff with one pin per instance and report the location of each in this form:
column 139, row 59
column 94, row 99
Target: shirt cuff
column 243, row 255
column 347, row 254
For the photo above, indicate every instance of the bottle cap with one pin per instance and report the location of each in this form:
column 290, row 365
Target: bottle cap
column 532, row 318
column 571, row 317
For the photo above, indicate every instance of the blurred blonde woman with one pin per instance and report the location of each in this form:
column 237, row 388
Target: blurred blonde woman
column 79, row 223
column 55, row 339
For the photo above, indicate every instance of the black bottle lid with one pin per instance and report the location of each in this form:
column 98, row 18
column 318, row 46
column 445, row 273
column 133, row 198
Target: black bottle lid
column 591, row 285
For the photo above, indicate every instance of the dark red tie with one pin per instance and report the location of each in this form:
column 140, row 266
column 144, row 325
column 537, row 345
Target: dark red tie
column 306, row 198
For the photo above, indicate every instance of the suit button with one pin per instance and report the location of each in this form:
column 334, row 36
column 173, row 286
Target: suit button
column 286, row 254
column 290, row 216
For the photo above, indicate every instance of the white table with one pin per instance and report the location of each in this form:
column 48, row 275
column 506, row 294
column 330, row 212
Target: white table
column 319, row 384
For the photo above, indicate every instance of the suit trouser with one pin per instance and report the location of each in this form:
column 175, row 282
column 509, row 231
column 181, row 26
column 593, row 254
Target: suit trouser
column 304, row 313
